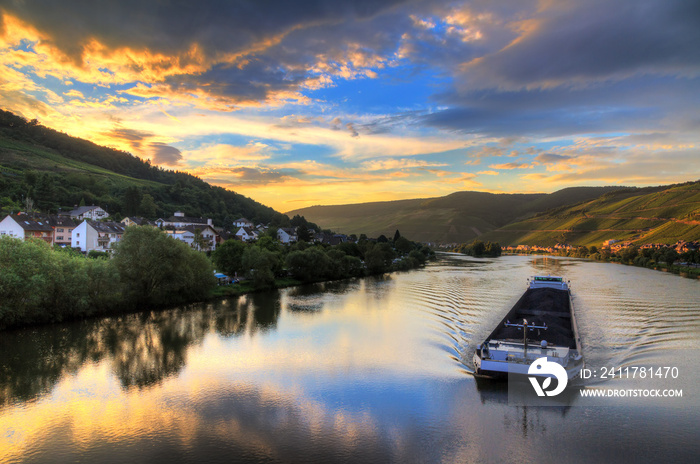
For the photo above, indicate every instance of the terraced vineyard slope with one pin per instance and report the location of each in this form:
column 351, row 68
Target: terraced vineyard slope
column 639, row 215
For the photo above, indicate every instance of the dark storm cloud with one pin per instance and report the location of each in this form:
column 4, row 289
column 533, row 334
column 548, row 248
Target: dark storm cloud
column 170, row 26
column 165, row 154
column 600, row 40
column 640, row 104
column 231, row 51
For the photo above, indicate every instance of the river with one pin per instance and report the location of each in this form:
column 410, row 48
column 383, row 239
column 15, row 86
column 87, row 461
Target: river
column 367, row 370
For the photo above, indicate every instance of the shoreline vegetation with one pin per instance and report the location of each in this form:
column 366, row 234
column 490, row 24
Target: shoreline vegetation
column 40, row 284
column 640, row 258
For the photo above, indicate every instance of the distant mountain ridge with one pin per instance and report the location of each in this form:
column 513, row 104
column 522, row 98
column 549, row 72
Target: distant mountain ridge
column 455, row 218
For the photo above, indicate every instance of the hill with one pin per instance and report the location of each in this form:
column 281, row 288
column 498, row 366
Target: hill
column 640, row 215
column 60, row 171
column 455, row 218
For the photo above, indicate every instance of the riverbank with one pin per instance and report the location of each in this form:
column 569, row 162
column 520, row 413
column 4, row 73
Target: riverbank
column 43, row 285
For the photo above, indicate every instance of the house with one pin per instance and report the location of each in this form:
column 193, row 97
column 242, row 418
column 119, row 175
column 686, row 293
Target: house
column 287, row 234
column 246, row 234
column 330, row 239
column 183, row 235
column 62, row 229
column 93, row 235
column 189, row 235
column 89, row 212
column 208, row 234
column 136, row 221
column 179, row 220
column 24, row 227
column 243, row 222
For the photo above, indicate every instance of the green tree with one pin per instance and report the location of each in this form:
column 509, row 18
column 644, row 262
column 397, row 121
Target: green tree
column 303, row 233
column 309, row 265
column 403, row 245
column 670, row 256
column 159, row 270
column 132, row 201
column 374, row 260
column 261, row 266
column 148, row 207
column 477, row 248
column 269, row 243
column 228, row 257
column 397, row 235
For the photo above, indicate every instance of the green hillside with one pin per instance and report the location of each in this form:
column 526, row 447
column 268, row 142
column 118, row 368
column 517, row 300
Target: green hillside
column 455, row 218
column 60, row 171
column 647, row 215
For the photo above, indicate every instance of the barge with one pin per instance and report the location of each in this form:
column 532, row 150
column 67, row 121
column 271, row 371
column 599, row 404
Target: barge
column 541, row 324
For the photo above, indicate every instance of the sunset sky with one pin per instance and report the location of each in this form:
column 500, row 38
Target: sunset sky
column 326, row 102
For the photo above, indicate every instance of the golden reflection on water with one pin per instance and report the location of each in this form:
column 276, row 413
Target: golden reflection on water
column 367, row 364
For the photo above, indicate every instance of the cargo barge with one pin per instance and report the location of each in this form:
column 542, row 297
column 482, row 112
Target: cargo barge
column 541, row 324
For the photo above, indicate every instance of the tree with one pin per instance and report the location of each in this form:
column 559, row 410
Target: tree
column 148, row 207
column 228, row 257
column 478, row 248
column 403, row 245
column 670, row 256
column 28, row 205
column 308, row 265
column 160, row 270
column 261, row 266
column 200, row 242
column 132, row 201
column 374, row 260
column 397, row 235
column 303, row 233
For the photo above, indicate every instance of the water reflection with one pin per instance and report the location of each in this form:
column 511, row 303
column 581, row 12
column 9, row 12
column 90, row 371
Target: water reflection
column 360, row 370
column 142, row 349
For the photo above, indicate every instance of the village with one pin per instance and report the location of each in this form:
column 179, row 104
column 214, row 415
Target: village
column 88, row 229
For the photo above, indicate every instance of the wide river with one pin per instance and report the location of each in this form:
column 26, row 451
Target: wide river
column 367, row 370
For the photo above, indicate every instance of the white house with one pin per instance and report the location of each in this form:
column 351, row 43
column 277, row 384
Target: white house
column 22, row 227
column 188, row 235
column 243, row 222
column 287, row 235
column 100, row 236
column 179, row 220
column 246, row 234
column 182, row 235
column 89, row 212
column 209, row 236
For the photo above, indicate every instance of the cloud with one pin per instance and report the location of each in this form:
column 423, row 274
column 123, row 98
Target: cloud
column 164, row 154
column 135, row 138
column 488, row 173
column 508, row 166
column 220, row 55
column 394, row 163
column 575, row 44
column 224, row 153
